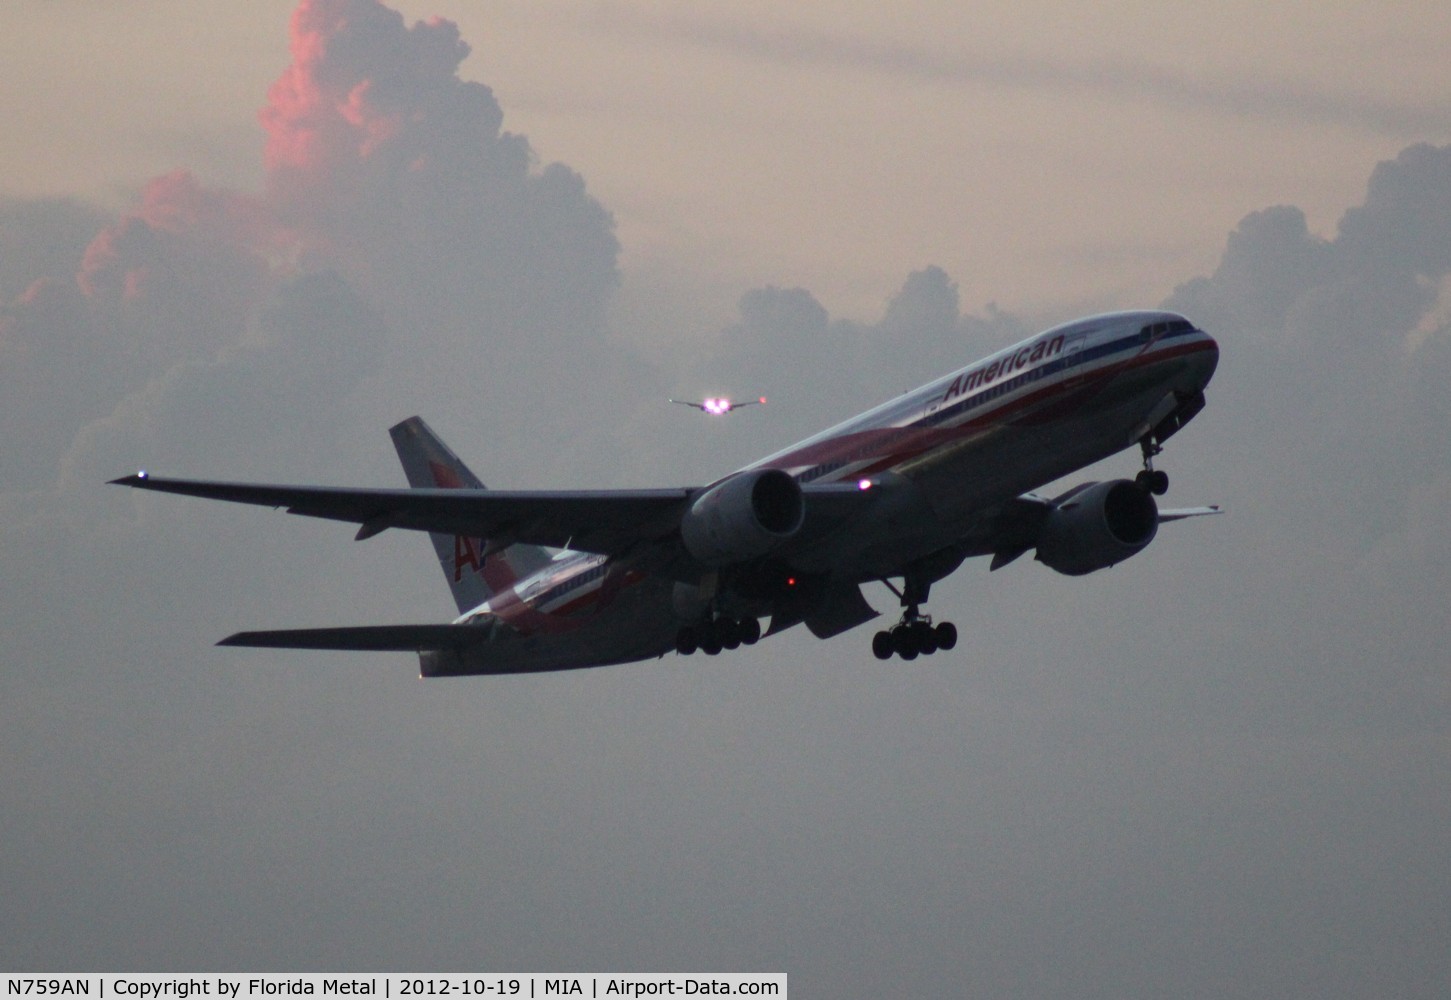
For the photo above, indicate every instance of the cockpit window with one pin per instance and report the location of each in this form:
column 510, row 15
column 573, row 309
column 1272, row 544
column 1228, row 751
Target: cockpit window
column 1156, row 330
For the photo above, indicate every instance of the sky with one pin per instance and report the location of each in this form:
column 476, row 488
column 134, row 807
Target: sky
column 241, row 241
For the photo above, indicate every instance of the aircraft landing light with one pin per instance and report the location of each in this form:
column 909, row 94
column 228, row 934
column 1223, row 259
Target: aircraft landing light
column 719, row 406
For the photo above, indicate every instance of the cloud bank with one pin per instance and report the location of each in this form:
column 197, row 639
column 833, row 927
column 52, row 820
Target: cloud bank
column 1215, row 770
column 385, row 170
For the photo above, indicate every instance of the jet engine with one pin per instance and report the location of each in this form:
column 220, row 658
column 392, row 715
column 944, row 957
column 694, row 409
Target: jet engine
column 743, row 517
column 1097, row 525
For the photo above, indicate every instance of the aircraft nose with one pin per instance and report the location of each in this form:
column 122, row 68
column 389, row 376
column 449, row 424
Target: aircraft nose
column 1209, row 359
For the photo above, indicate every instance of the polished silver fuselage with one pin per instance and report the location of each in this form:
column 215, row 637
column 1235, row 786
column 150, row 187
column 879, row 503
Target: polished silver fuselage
column 946, row 456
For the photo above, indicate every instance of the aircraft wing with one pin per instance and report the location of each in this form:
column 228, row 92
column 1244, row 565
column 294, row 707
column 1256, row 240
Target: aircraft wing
column 608, row 522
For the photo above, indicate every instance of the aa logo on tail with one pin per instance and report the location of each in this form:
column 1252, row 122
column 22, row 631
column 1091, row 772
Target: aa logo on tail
column 467, row 552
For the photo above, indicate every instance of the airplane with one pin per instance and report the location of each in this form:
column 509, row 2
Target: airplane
column 559, row 580
column 719, row 406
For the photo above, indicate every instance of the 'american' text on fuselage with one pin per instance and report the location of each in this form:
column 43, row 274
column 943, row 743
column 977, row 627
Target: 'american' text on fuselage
column 1027, row 355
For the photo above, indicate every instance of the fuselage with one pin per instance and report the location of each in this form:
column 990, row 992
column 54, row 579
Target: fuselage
column 976, row 437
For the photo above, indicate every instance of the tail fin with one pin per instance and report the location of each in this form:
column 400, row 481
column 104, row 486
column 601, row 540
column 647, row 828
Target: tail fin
column 474, row 573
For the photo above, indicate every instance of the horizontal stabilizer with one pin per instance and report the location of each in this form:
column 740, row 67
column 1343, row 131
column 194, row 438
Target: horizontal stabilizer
column 396, row 638
column 1179, row 515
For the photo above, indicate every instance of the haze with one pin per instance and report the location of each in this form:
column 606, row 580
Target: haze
column 1215, row 770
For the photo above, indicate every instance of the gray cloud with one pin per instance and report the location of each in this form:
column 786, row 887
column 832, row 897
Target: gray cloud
column 385, row 170
column 1201, row 773
column 1332, row 417
column 41, row 239
column 1133, row 80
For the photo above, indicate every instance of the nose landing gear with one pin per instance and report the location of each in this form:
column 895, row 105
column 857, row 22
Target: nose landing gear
column 1149, row 479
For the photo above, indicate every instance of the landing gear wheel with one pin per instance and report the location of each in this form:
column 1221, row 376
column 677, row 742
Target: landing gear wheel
column 923, row 637
column 883, row 646
column 1151, row 480
column 1154, row 481
column 914, row 635
column 685, row 641
column 750, row 630
column 913, row 638
column 712, row 636
column 904, row 643
column 710, row 643
column 729, row 632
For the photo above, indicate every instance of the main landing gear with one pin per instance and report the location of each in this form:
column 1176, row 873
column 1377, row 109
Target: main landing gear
column 1151, row 480
column 914, row 635
column 710, row 637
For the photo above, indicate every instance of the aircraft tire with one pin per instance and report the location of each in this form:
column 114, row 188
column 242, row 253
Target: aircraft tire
column 946, row 635
column 708, row 638
column 729, row 632
column 1155, row 481
column 883, row 646
column 904, row 642
column 685, row 641
column 750, row 631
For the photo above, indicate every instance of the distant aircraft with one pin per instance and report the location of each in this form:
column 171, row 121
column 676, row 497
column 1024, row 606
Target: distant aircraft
column 719, row 406
column 555, row 580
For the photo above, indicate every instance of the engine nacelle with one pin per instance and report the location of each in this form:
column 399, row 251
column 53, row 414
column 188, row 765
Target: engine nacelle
column 743, row 517
column 1098, row 525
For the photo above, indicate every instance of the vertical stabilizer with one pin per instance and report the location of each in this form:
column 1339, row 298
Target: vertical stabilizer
column 474, row 573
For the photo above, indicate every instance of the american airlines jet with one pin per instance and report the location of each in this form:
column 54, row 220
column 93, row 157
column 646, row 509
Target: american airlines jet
column 556, row 580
